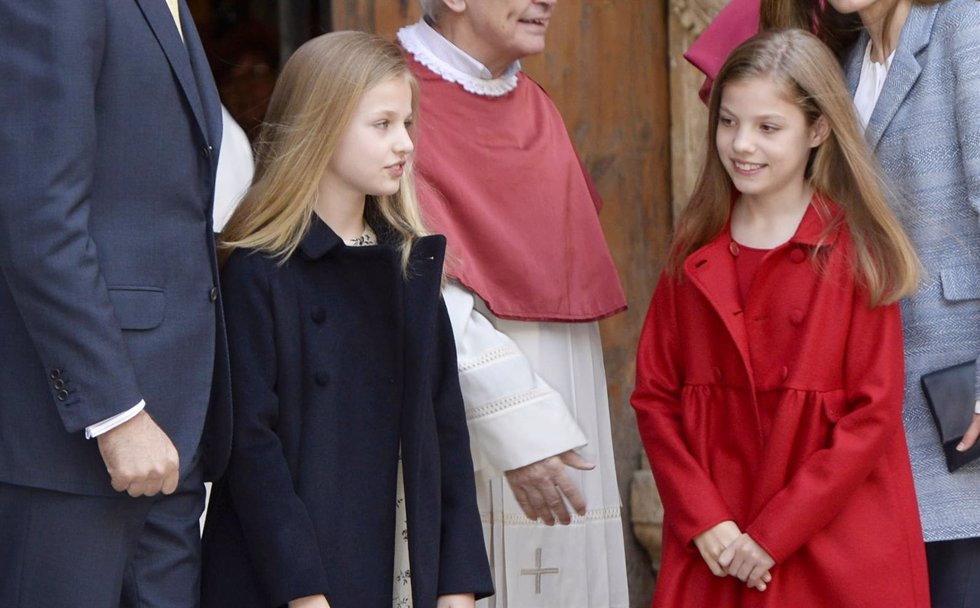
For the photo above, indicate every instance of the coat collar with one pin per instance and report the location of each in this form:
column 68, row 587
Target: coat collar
column 319, row 240
column 903, row 72
column 712, row 268
column 188, row 63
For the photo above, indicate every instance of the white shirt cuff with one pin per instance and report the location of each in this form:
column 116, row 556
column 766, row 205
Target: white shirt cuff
column 110, row 423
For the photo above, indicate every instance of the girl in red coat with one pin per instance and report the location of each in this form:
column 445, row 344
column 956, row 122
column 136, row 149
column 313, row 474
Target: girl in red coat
column 769, row 372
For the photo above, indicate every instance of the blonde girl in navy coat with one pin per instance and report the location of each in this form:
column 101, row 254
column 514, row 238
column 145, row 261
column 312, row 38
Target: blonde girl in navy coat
column 343, row 366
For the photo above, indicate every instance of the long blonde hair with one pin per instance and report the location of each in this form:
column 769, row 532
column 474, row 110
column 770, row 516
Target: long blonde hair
column 842, row 167
column 310, row 109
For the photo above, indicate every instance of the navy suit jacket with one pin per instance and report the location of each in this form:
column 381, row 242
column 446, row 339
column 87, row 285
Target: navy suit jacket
column 109, row 132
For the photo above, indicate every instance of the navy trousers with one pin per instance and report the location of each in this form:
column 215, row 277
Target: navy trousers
column 954, row 573
column 74, row 551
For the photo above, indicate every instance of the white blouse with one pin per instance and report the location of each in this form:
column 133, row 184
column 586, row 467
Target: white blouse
column 873, row 75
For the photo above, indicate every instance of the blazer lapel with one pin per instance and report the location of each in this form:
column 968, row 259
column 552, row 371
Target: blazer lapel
column 206, row 87
column 162, row 23
column 903, row 72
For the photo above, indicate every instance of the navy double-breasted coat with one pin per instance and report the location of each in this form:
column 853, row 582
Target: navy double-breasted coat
column 338, row 361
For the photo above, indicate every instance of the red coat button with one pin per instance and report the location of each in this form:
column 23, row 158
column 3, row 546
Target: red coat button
column 797, row 255
column 797, row 316
column 784, row 373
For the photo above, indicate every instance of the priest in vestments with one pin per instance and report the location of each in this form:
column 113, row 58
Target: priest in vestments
column 530, row 276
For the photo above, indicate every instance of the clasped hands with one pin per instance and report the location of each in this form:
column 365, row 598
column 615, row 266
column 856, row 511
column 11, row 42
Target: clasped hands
column 730, row 552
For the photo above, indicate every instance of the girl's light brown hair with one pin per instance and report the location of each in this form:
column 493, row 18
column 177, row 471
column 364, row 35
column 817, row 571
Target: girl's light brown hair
column 842, row 167
column 310, row 109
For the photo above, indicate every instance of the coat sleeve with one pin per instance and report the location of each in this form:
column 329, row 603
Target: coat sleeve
column 277, row 527
column 874, row 380
column 463, row 566
column 691, row 499
column 514, row 417
column 49, row 67
column 966, row 79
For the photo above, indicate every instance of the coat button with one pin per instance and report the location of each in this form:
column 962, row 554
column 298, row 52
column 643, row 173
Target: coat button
column 797, row 255
column 55, row 374
column 213, row 295
column 59, row 384
column 207, row 150
column 797, row 316
column 318, row 314
column 321, row 378
column 717, row 374
column 784, row 373
column 62, row 395
column 733, row 248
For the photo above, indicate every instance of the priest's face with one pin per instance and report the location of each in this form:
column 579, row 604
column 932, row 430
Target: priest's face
column 507, row 30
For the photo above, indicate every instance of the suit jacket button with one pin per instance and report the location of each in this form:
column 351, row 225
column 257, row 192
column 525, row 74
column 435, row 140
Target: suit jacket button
column 318, row 315
column 321, row 378
column 797, row 255
column 206, row 151
column 213, row 295
column 55, row 374
column 62, row 395
column 59, row 384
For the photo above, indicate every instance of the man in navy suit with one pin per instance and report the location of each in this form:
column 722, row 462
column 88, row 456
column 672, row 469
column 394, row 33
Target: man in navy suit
column 114, row 399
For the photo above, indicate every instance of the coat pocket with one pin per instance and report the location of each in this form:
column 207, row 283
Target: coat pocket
column 961, row 282
column 138, row 308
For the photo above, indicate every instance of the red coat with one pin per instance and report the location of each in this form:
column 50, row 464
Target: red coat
column 785, row 417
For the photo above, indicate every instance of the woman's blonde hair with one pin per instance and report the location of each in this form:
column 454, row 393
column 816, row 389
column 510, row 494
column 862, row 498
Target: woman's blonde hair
column 842, row 167
column 311, row 107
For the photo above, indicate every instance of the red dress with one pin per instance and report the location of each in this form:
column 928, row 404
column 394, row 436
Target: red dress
column 783, row 415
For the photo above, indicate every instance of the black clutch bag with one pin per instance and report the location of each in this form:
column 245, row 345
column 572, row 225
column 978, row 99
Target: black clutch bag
column 950, row 393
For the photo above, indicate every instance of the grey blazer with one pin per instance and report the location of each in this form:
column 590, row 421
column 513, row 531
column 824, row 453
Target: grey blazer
column 925, row 131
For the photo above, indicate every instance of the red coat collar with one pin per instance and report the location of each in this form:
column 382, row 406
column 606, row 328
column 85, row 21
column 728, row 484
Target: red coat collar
column 712, row 268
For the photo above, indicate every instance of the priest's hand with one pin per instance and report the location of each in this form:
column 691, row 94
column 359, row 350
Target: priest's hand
column 457, row 600
column 747, row 561
column 310, row 601
column 539, row 487
column 140, row 458
column 970, row 437
column 713, row 542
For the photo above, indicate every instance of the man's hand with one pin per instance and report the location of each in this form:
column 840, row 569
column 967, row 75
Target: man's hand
column 457, row 600
column 310, row 601
column 140, row 458
column 970, row 437
column 539, row 486
column 712, row 543
column 747, row 561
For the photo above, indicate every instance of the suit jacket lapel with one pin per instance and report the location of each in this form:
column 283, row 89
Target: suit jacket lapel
column 206, row 88
column 162, row 23
column 903, row 72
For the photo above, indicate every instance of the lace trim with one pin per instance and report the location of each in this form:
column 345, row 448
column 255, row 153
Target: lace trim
column 409, row 38
column 508, row 402
column 496, row 354
column 518, row 519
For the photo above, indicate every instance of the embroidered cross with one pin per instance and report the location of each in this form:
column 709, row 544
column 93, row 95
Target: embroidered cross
column 537, row 571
